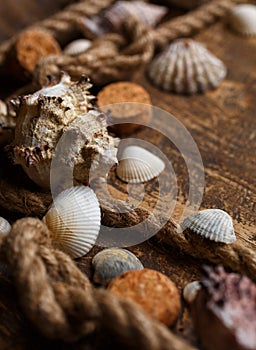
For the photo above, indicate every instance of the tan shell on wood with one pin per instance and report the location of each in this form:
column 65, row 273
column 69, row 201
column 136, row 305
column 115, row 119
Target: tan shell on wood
column 186, row 67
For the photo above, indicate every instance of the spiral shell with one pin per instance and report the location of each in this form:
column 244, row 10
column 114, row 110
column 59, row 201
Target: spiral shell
column 5, row 227
column 138, row 165
column 242, row 19
column 77, row 47
column 74, row 221
column 110, row 263
column 190, row 291
column 214, row 224
column 186, row 67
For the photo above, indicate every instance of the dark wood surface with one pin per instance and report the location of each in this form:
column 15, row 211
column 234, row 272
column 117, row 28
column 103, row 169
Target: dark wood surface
column 223, row 124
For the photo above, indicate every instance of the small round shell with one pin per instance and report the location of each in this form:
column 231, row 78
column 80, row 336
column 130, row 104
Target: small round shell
column 5, row 227
column 214, row 224
column 242, row 19
column 138, row 165
column 74, row 220
column 186, row 67
column 110, row 263
column 190, row 291
column 77, row 47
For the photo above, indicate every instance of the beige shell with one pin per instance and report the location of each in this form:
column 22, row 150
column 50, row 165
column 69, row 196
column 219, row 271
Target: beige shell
column 77, row 47
column 186, row 67
column 112, row 18
column 49, row 113
column 214, row 224
column 5, row 227
column 190, row 291
column 138, row 165
column 242, row 19
column 74, row 221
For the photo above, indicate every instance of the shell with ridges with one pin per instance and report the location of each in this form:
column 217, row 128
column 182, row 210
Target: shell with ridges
column 138, row 165
column 186, row 67
column 110, row 263
column 74, row 221
column 43, row 118
column 242, row 19
column 214, row 224
column 190, row 291
column 5, row 227
column 77, row 47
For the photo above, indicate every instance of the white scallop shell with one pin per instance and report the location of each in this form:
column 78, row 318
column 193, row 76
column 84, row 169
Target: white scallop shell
column 186, row 67
column 190, row 291
column 5, row 227
column 138, row 165
column 242, row 19
column 214, row 224
column 111, row 262
column 77, row 47
column 74, row 220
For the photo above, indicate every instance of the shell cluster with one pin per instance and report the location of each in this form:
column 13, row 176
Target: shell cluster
column 74, row 221
column 214, row 224
column 112, row 18
column 242, row 19
column 77, row 47
column 186, row 67
column 110, row 263
column 190, row 291
column 5, row 227
column 49, row 113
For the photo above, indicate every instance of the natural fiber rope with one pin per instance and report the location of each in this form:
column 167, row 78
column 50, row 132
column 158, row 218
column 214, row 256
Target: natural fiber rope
column 62, row 304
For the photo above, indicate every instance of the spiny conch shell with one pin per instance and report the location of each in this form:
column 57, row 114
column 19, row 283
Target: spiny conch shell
column 242, row 19
column 190, row 291
column 110, row 263
column 74, row 221
column 138, row 165
column 5, row 227
column 48, row 114
column 186, row 67
column 111, row 19
column 77, row 47
column 214, row 224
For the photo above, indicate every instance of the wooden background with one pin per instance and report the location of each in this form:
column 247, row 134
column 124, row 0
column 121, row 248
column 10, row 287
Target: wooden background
column 222, row 123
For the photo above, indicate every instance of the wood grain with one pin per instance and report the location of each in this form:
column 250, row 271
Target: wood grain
column 222, row 123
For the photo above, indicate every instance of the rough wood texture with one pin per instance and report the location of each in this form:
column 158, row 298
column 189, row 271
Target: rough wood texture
column 222, row 122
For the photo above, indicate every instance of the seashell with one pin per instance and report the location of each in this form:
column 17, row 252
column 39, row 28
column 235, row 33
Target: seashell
column 43, row 117
column 186, row 67
column 242, row 19
column 138, row 165
column 5, row 227
column 190, row 291
column 112, row 19
column 77, row 47
column 110, row 263
column 214, row 224
column 74, row 221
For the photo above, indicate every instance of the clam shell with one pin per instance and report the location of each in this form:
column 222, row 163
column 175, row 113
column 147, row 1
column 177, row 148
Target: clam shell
column 74, row 221
column 242, row 19
column 190, row 291
column 5, row 227
column 214, row 224
column 138, row 165
column 186, row 67
column 77, row 47
column 110, row 263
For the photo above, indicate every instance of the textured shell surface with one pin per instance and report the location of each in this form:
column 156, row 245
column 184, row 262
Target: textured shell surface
column 111, row 262
column 242, row 19
column 49, row 113
column 77, row 47
column 5, row 227
column 138, row 165
column 186, row 67
column 214, row 224
column 74, row 220
column 190, row 291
